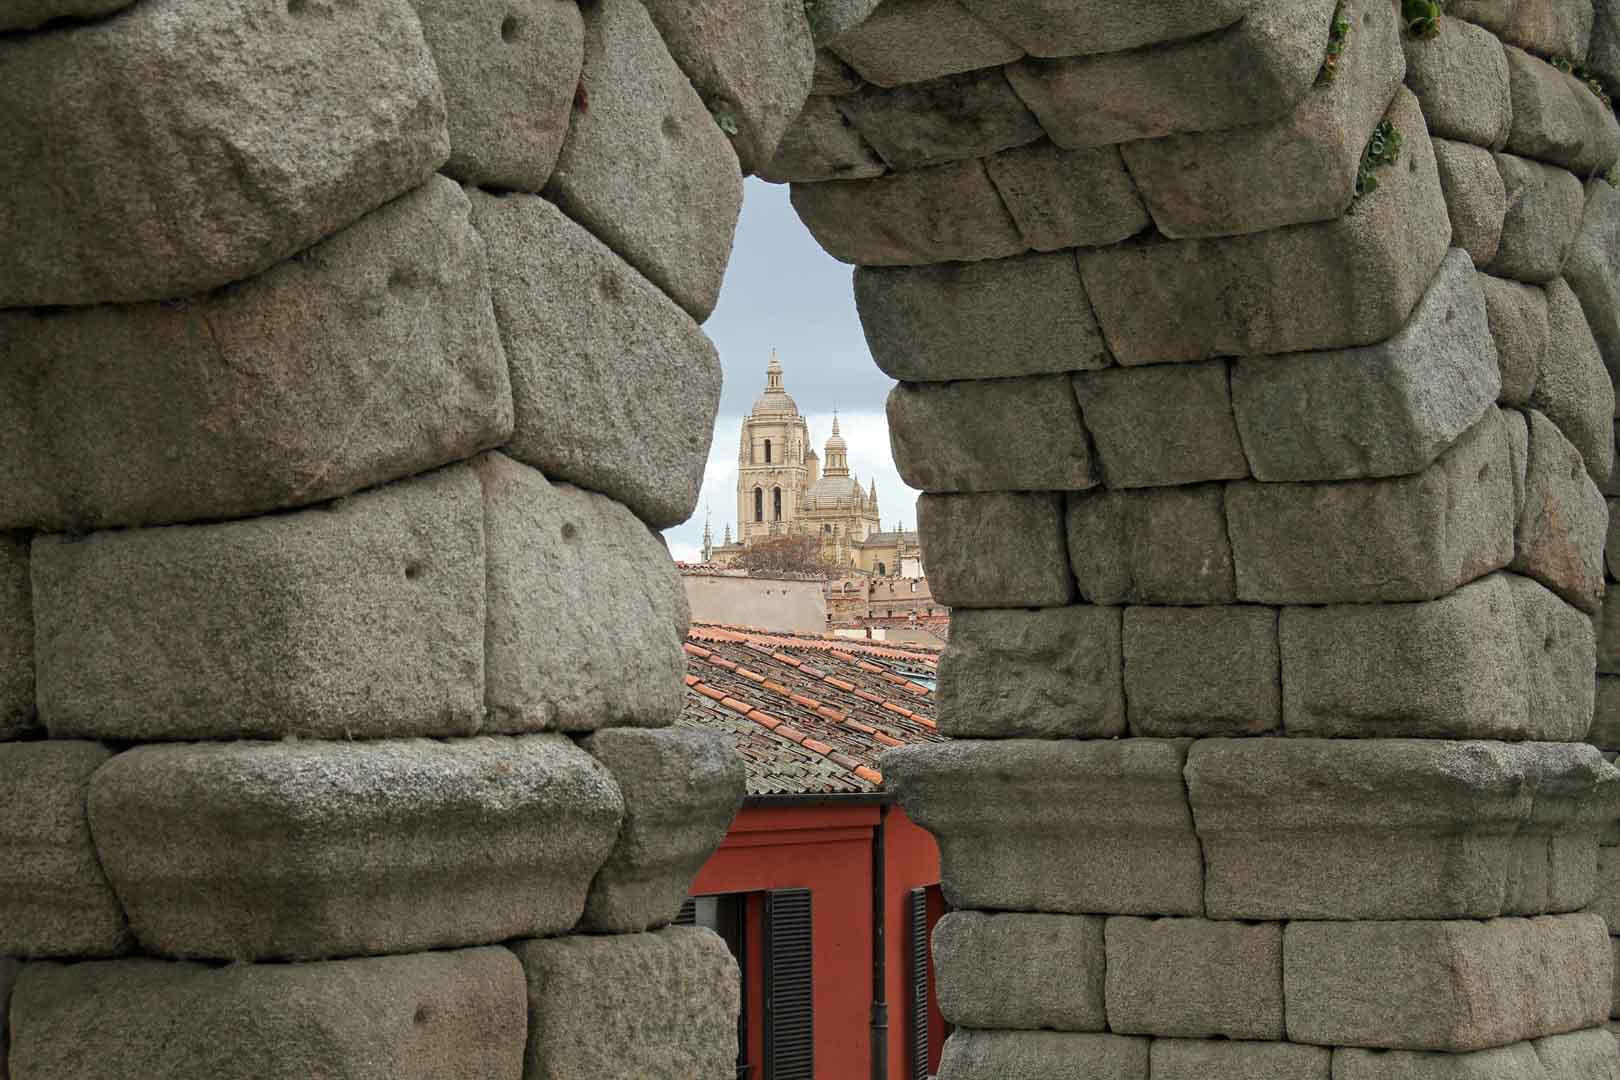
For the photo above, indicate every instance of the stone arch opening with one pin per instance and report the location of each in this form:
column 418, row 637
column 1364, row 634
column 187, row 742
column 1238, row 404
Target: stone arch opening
column 1273, row 658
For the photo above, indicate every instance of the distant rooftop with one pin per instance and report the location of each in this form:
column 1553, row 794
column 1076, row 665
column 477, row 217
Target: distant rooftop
column 810, row 715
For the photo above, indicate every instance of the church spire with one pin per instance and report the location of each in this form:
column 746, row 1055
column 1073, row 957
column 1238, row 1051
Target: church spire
column 708, row 535
column 872, row 496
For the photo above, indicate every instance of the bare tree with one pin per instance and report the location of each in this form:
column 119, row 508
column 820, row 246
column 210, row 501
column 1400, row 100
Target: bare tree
column 789, row 554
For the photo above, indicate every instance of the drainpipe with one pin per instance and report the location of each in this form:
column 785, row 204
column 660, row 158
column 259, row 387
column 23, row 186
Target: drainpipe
column 880, row 968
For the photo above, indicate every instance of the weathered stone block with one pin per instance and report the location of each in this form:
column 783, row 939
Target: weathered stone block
column 953, row 436
column 10, row 966
column 912, row 41
column 1558, row 119
column 1573, row 387
column 752, row 61
column 946, row 213
column 644, row 166
column 434, row 1016
column 1397, row 828
column 509, row 72
column 1579, row 1055
column 1562, row 528
column 971, row 320
column 1603, row 55
column 1193, row 978
column 1201, row 671
column 1518, row 318
column 1252, row 72
column 1460, row 76
column 1452, row 986
column 1500, row 658
column 1098, row 826
column 1605, row 729
column 1476, row 197
column 1606, row 897
column 372, row 356
column 1515, row 1062
column 833, row 77
column 1218, row 1059
column 16, row 639
column 1555, row 27
column 587, row 615
column 1167, row 424
column 1068, row 198
column 1397, row 405
column 1544, row 209
column 1032, row 674
column 1611, row 544
column 614, row 387
column 1057, row 28
column 1608, row 634
column 33, row 14
column 1159, row 546
column 1021, row 972
column 360, row 619
column 681, row 788
column 969, row 543
column 829, row 18
column 1593, row 270
column 821, row 144
column 657, row 1006
column 1202, row 184
column 262, row 130
column 1331, row 285
column 1042, row 1055
column 948, row 119
column 54, row 898
column 310, row 850
column 1408, row 538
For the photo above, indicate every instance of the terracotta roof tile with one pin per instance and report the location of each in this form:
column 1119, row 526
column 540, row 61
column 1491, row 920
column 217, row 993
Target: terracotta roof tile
column 827, row 724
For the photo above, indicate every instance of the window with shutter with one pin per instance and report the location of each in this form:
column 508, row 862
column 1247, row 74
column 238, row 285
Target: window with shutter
column 917, row 980
column 789, row 1014
column 688, row 913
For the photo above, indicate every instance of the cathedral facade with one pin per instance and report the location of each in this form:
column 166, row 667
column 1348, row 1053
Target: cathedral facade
column 784, row 488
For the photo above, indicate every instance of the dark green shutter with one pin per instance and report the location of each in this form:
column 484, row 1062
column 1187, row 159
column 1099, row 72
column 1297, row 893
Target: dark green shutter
column 687, row 916
column 789, row 984
column 917, row 980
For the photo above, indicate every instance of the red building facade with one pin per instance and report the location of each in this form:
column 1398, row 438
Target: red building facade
column 826, row 891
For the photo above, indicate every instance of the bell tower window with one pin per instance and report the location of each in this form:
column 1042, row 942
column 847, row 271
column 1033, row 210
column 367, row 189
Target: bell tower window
column 767, row 451
column 759, row 504
column 776, row 497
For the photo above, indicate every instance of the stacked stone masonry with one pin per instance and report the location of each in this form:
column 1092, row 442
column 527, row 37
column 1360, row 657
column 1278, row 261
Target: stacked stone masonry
column 351, row 360
column 1268, row 472
column 352, row 352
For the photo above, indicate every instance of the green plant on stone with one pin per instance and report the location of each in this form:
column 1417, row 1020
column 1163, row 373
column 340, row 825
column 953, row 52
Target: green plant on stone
column 1613, row 176
column 1383, row 150
column 1338, row 37
column 726, row 121
column 1585, row 75
column 1422, row 17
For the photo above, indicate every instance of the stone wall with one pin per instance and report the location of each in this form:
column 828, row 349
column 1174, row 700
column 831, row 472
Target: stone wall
column 350, row 358
column 1255, row 359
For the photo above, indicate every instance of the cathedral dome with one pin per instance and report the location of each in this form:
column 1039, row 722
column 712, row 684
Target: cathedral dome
column 773, row 400
column 835, row 490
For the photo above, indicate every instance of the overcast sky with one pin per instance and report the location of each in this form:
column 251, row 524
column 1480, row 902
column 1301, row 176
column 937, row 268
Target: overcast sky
column 782, row 290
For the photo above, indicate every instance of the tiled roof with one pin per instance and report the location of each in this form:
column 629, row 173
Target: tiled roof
column 811, row 715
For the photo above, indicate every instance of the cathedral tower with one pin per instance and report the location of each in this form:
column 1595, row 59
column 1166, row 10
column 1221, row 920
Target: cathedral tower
column 772, row 471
